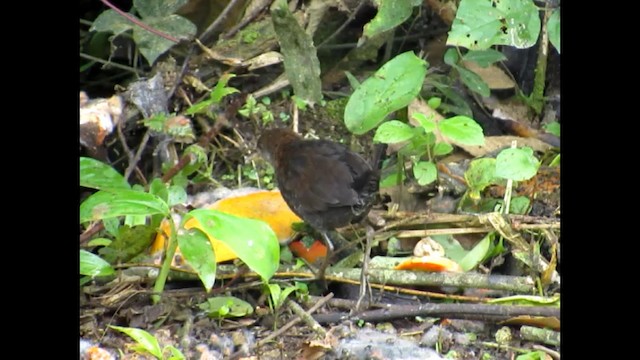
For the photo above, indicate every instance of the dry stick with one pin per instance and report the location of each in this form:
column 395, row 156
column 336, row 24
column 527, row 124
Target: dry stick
column 364, row 284
column 307, row 318
column 108, row 63
column 344, row 25
column 247, row 19
column 134, row 162
column 216, row 24
column 140, row 23
column 464, row 311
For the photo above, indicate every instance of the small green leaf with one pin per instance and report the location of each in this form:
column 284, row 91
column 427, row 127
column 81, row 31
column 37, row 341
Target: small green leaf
column 159, row 188
column 427, row 123
column 389, row 15
column 473, row 81
column 93, row 265
column 111, row 21
column 484, row 58
column 156, row 122
column 151, row 45
column 99, row 242
column 393, row 131
column 109, row 204
column 177, row 195
column 175, row 353
column 442, row 148
column 451, row 57
column 519, row 205
column 221, row 90
column 462, row 129
column 481, row 173
column 392, row 87
column 147, row 342
column 197, row 250
column 517, row 164
column 392, row 180
column 98, row 175
column 253, row 241
column 475, row 256
column 553, row 27
column 552, row 128
column 352, row 80
column 226, row 306
column 425, row 172
column 434, row 102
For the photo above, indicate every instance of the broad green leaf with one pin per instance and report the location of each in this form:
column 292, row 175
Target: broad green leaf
column 391, row 88
column 111, row 21
column 391, row 13
column 196, row 249
column 442, row 148
column 158, row 188
column 392, row 180
column 93, row 265
column 226, row 306
column 484, row 58
column 475, row 256
column 146, row 341
column 151, row 46
column 393, row 131
column 109, row 204
column 462, row 129
column 253, row 241
column 533, row 355
column 517, row 164
column 175, row 353
column 301, row 63
column 519, row 205
column 473, row 81
column 98, row 175
column 552, row 128
column 479, row 24
column 155, row 8
column 425, row 172
column 274, row 292
column 427, row 123
column 553, row 27
column 452, row 248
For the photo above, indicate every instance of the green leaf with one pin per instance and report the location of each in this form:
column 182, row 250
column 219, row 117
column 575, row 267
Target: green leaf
column 427, row 123
column 146, row 341
column 462, row 129
column 473, row 81
column 519, row 205
column 517, row 164
column 221, row 90
column 111, row 21
column 392, row 180
column 177, row 195
column 157, row 8
column 98, row 175
column 175, row 353
column 480, row 24
column 484, row 58
column 425, row 172
column 434, row 102
column 196, row 249
column 552, row 128
column 353, row 82
column 226, row 306
column 129, row 242
column 392, row 87
column 481, row 173
column 108, row 204
column 93, row 265
column 391, row 13
column 301, row 63
column 475, row 256
column 442, row 148
column 451, row 57
column 151, row 46
column 253, row 241
column 553, row 27
column 393, row 131
column 99, row 242
column 159, row 188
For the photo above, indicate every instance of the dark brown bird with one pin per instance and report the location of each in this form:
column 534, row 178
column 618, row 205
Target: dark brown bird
column 323, row 182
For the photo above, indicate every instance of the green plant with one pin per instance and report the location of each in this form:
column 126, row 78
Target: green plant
column 253, row 241
column 253, row 110
column 148, row 344
column 155, row 31
column 420, row 140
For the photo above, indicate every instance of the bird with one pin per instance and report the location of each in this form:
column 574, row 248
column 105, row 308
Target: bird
column 325, row 183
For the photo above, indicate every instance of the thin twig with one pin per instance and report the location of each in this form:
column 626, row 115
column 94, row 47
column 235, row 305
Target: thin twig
column 216, row 24
column 344, row 25
column 134, row 162
column 247, row 19
column 140, row 23
column 108, row 63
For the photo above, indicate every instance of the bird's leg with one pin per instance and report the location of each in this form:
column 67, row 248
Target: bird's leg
column 325, row 263
column 365, row 287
